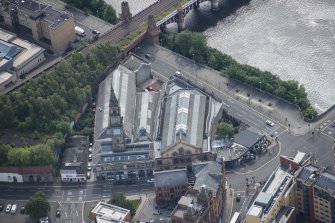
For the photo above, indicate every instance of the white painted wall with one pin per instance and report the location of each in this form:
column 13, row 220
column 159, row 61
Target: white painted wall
column 8, row 177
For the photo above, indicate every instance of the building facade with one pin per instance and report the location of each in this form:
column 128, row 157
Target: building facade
column 170, row 186
column 26, row 174
column 204, row 201
column 47, row 25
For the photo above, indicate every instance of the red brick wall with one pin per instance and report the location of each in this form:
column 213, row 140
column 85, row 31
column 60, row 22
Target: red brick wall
column 26, row 169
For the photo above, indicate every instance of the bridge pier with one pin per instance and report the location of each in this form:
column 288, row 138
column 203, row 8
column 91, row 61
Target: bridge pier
column 152, row 30
column 125, row 12
column 181, row 19
column 215, row 5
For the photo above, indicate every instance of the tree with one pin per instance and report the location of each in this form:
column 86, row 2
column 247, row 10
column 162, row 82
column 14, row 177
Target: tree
column 110, row 14
column 121, row 201
column 224, row 130
column 3, row 153
column 37, row 206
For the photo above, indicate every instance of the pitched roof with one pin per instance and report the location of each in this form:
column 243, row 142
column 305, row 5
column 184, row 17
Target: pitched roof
column 168, row 178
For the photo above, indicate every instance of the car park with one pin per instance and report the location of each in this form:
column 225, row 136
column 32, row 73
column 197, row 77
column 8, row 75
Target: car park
column 8, row 207
column 270, row 123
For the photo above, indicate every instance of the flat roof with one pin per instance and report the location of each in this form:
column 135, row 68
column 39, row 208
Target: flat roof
column 255, row 210
column 299, row 157
column 30, row 52
column 6, row 36
column 233, row 152
column 5, row 76
column 55, row 17
column 109, row 213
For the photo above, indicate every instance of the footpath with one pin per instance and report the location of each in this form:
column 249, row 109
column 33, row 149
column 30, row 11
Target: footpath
column 276, row 109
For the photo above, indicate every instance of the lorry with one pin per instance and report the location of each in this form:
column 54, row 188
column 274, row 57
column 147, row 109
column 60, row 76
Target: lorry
column 79, row 31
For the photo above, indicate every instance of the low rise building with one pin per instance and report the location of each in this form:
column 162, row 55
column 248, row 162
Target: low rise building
column 17, row 57
column 74, row 163
column 107, row 213
column 26, row 174
column 252, row 139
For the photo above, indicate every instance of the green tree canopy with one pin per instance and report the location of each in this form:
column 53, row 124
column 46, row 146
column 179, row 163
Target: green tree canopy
column 224, row 130
column 121, row 201
column 110, row 14
column 37, row 206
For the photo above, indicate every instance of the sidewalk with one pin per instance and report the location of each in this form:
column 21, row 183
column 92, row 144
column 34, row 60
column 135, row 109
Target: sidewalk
column 228, row 208
column 270, row 106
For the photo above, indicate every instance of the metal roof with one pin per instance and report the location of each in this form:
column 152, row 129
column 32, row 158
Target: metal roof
column 248, row 138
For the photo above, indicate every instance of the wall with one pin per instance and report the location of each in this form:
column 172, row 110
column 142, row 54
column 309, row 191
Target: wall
column 31, row 65
column 4, row 177
column 59, row 41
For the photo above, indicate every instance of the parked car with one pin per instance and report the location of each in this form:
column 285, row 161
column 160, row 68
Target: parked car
column 89, row 167
column 97, row 32
column 44, row 220
column 270, row 123
column 88, row 176
column 238, row 197
column 8, row 207
column 89, row 157
column 13, row 209
column 22, row 210
column 90, row 150
column 1, row 207
column 152, row 180
column 58, row 213
column 148, row 55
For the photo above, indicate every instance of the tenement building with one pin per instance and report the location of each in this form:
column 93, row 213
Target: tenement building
column 204, row 202
column 50, row 28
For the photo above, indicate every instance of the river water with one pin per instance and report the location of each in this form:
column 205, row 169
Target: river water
column 294, row 39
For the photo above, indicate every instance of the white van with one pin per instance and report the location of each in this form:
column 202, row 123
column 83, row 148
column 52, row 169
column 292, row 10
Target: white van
column 14, row 208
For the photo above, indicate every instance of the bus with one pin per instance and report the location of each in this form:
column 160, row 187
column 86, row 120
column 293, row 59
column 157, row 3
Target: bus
column 236, row 218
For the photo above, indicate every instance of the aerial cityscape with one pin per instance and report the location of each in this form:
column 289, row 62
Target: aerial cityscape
column 167, row 111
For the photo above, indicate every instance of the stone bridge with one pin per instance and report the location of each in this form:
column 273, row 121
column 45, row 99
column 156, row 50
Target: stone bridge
column 179, row 14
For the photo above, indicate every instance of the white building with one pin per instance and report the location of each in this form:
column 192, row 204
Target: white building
column 107, row 213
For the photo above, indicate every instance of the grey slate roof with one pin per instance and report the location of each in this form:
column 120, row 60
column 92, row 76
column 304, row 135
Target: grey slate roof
column 326, row 181
column 122, row 82
column 208, row 173
column 8, row 49
column 248, row 137
column 168, row 178
column 306, row 172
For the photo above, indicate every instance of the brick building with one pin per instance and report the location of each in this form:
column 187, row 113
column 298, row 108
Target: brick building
column 13, row 174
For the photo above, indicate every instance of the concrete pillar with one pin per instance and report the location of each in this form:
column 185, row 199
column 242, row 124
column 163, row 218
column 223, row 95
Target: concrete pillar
column 181, row 18
column 125, row 12
column 152, row 30
column 215, row 5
